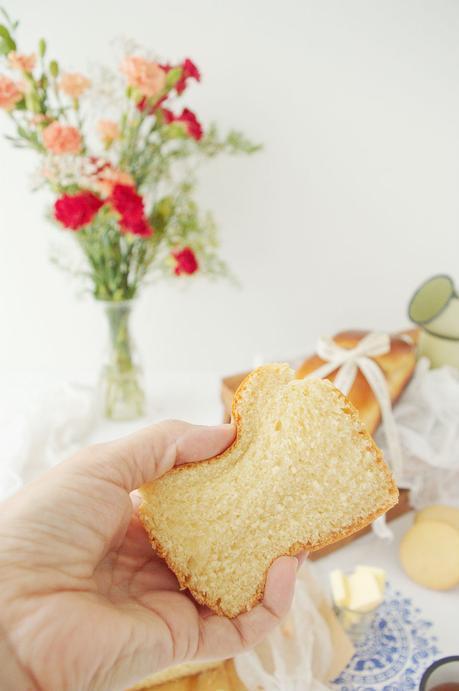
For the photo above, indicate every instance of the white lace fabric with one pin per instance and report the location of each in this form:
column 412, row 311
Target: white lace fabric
column 427, row 419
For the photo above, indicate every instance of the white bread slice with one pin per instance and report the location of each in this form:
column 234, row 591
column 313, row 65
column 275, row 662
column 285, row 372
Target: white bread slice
column 302, row 473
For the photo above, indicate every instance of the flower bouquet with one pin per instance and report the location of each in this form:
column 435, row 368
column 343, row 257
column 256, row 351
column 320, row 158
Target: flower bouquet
column 123, row 185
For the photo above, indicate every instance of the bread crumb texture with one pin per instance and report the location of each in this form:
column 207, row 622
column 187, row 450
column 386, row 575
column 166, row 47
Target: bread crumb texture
column 302, row 473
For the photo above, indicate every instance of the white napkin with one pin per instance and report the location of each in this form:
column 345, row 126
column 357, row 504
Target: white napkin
column 427, row 418
column 41, row 429
column 297, row 655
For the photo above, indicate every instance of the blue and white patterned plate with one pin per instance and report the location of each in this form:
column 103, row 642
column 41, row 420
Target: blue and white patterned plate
column 394, row 653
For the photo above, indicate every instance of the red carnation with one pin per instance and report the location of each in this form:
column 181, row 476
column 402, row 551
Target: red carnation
column 192, row 125
column 127, row 201
column 144, row 105
column 130, row 207
column 137, row 226
column 190, row 71
column 77, row 210
column 186, row 262
column 168, row 115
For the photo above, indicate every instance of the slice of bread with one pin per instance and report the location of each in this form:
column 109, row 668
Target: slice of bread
column 302, row 473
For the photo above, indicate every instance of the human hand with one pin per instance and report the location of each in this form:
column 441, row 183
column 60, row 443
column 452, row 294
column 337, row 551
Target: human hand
column 85, row 603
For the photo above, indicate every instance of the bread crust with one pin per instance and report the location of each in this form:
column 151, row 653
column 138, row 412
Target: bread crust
column 296, row 547
column 397, row 365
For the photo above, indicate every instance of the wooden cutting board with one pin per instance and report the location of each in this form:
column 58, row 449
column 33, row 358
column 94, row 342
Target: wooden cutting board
column 228, row 389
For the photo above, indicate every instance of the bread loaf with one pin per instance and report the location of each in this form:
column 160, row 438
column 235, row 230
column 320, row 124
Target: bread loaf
column 398, row 366
column 302, row 473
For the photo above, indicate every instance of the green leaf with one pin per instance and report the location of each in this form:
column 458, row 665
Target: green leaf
column 41, row 47
column 7, row 43
column 23, row 132
column 4, row 50
column 21, row 105
column 13, row 25
column 238, row 143
column 176, row 130
column 173, row 76
column 33, row 102
column 165, row 207
column 162, row 213
column 54, row 68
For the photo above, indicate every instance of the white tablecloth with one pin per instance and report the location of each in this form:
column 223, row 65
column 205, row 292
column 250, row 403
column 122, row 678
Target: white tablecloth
column 441, row 608
column 195, row 396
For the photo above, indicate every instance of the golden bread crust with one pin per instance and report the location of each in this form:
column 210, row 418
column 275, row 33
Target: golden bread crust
column 398, row 367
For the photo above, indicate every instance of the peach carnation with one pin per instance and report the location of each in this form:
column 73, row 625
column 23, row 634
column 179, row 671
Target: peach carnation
column 109, row 178
column 24, row 63
column 108, row 130
column 10, row 93
column 38, row 119
column 74, row 84
column 61, row 139
column 145, row 75
column 105, row 176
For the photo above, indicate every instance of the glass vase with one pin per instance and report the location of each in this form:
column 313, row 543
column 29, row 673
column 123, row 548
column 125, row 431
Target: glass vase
column 121, row 379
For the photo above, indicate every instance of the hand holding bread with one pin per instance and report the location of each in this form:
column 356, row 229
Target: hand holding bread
column 85, row 603
column 302, row 473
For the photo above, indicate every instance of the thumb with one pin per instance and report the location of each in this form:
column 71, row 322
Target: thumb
column 146, row 455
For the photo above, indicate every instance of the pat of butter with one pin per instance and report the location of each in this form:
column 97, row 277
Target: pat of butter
column 365, row 593
column 339, row 587
column 379, row 574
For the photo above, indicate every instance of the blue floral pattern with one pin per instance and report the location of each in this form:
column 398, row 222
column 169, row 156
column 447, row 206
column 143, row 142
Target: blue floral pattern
column 396, row 650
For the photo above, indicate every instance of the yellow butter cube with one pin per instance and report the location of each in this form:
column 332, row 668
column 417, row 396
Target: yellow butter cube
column 379, row 574
column 365, row 593
column 339, row 588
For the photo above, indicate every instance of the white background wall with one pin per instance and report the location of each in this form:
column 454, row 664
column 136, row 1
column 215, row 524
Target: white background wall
column 353, row 202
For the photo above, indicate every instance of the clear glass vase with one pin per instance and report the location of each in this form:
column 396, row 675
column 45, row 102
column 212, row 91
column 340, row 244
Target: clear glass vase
column 121, row 379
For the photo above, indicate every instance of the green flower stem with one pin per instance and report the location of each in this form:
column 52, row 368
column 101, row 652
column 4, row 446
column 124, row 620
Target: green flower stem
column 118, row 317
column 124, row 398
column 113, row 257
column 61, row 109
column 79, row 123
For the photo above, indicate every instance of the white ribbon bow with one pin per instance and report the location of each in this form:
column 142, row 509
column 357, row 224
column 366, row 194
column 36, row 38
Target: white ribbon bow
column 348, row 361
